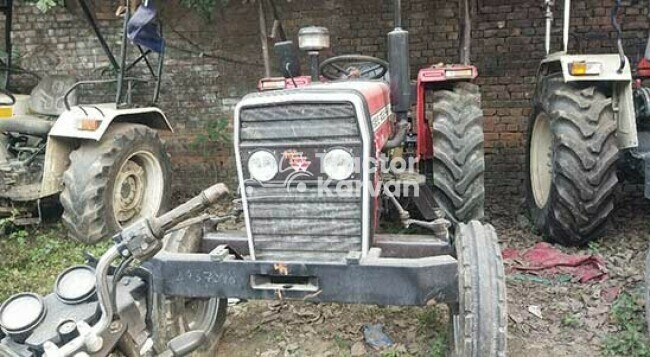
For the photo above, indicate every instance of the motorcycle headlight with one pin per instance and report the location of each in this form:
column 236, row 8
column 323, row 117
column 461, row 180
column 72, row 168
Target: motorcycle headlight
column 75, row 284
column 262, row 166
column 21, row 312
column 338, row 164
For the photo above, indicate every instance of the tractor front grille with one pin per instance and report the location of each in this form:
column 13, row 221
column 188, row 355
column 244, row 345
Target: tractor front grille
column 299, row 124
column 295, row 219
column 290, row 225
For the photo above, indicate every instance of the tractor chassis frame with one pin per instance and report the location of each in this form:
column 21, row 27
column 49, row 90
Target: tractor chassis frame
column 405, row 270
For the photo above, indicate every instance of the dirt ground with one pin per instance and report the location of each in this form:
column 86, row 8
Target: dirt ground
column 573, row 319
column 576, row 319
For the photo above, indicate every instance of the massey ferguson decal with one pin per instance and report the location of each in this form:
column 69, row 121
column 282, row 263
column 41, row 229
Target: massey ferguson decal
column 296, row 160
column 381, row 127
column 380, row 117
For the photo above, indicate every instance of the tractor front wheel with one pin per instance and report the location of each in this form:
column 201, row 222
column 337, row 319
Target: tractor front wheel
column 478, row 323
column 114, row 182
column 572, row 155
column 458, row 163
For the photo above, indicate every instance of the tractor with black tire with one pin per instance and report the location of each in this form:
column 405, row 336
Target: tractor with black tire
column 105, row 163
column 588, row 127
column 319, row 159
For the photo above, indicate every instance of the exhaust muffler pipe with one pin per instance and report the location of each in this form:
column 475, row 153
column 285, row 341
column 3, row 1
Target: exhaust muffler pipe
column 400, row 77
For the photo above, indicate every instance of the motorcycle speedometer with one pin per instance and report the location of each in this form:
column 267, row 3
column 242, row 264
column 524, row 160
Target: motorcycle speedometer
column 76, row 284
column 21, row 313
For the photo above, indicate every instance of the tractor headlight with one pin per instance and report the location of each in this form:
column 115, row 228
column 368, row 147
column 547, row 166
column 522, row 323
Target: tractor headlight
column 585, row 68
column 262, row 166
column 338, row 164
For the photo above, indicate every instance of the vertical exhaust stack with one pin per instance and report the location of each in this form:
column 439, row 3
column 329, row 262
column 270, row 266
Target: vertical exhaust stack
column 400, row 76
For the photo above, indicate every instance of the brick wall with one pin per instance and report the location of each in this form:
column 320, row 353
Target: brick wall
column 508, row 42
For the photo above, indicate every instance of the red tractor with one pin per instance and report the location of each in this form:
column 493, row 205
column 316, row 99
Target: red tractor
column 318, row 164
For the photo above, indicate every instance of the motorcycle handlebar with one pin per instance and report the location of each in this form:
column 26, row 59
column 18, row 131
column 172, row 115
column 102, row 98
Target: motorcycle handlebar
column 206, row 198
column 158, row 227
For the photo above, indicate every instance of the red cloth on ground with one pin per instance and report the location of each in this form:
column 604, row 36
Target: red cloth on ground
column 545, row 260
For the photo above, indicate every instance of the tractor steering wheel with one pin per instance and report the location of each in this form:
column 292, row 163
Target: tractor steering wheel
column 353, row 66
column 6, row 93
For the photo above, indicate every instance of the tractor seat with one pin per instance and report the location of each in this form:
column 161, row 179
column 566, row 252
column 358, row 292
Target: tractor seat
column 45, row 104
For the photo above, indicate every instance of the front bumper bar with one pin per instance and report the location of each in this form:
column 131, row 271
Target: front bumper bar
column 369, row 280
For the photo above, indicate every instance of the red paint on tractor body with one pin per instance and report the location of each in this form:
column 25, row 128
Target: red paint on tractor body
column 428, row 77
column 643, row 68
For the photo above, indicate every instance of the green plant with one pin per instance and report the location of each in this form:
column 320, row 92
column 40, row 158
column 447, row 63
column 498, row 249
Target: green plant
column 216, row 131
column 439, row 346
column 570, row 320
column 392, row 353
column 593, row 247
column 631, row 339
column 342, row 343
column 30, row 259
column 45, row 5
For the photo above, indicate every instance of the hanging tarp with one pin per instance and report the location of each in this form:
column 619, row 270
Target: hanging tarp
column 143, row 28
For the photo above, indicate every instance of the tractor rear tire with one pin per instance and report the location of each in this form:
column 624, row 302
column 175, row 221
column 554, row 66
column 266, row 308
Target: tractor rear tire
column 111, row 183
column 571, row 164
column 479, row 322
column 458, row 157
column 173, row 316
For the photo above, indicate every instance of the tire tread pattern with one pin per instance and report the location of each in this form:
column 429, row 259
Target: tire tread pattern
column 85, row 209
column 458, row 162
column 585, row 153
column 482, row 292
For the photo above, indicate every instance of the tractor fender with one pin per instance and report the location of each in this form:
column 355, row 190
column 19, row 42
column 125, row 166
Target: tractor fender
column 67, row 133
column 609, row 67
column 91, row 122
column 619, row 81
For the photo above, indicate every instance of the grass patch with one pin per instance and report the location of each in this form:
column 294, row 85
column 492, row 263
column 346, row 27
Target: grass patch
column 31, row 259
column 631, row 339
column 570, row 320
column 439, row 346
column 433, row 321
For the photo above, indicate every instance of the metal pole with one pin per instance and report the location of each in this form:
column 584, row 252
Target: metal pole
column 567, row 21
column 314, row 65
column 549, row 23
column 646, row 54
column 161, row 63
column 264, row 39
column 398, row 14
column 276, row 20
column 122, row 67
column 102, row 41
column 8, row 43
column 467, row 33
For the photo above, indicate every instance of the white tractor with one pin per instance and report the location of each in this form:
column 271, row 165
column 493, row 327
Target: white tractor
column 105, row 162
column 587, row 108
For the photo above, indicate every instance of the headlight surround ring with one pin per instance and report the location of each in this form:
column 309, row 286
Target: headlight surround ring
column 262, row 166
column 338, row 164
